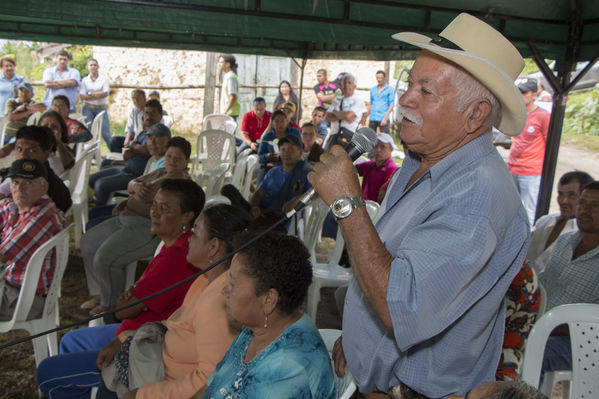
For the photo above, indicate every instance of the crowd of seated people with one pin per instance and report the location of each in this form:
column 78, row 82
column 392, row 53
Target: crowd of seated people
column 238, row 332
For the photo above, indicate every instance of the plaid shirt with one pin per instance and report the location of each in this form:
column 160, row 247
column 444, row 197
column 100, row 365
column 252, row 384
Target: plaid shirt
column 21, row 235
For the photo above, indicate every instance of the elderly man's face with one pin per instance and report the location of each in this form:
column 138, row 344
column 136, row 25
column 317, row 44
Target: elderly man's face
column 348, row 86
column 382, row 152
column 27, row 192
column 587, row 212
column 431, row 125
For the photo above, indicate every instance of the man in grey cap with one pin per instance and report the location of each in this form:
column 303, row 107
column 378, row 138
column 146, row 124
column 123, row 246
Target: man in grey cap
column 27, row 220
column 528, row 148
column 20, row 109
column 424, row 314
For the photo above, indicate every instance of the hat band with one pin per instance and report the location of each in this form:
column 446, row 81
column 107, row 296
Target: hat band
column 446, row 43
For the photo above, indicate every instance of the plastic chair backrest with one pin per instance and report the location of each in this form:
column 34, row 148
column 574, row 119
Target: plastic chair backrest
column 79, row 118
column 239, row 171
column 79, row 173
column 97, row 126
column 542, row 301
column 344, row 386
column 215, row 147
column 583, row 323
column 250, row 165
column 216, row 179
column 216, row 200
column 314, row 215
column 372, row 208
column 33, row 118
column 218, row 122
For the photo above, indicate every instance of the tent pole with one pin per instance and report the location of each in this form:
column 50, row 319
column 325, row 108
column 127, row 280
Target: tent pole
column 557, row 115
column 301, row 85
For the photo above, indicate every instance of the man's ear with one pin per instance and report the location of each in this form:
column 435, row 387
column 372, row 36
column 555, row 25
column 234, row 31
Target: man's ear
column 478, row 112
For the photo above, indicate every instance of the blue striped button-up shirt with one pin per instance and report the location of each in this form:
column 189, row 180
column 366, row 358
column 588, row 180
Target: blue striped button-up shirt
column 458, row 236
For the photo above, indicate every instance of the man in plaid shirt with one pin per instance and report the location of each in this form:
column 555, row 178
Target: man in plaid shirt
column 27, row 221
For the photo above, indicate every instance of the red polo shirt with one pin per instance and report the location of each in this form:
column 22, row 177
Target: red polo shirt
column 254, row 126
column 374, row 177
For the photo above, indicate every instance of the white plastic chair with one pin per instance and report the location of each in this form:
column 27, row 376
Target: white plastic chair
column 96, row 131
column 219, row 122
column 34, row 118
column 215, row 179
column 239, row 169
column 344, row 386
column 213, row 148
column 79, row 179
column 583, row 323
column 250, row 166
column 45, row 345
column 542, row 301
column 332, row 274
column 216, row 200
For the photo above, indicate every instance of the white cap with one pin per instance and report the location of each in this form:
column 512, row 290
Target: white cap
column 385, row 138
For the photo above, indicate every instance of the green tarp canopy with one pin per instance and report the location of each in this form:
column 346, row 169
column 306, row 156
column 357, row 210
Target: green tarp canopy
column 357, row 29
column 563, row 30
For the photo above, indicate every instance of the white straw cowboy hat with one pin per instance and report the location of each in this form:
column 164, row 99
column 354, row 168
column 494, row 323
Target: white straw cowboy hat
column 487, row 55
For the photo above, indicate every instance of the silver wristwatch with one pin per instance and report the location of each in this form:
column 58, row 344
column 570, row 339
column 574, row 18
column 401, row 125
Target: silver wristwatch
column 343, row 206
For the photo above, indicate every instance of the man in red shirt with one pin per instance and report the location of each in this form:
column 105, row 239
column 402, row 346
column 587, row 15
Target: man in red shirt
column 528, row 149
column 253, row 125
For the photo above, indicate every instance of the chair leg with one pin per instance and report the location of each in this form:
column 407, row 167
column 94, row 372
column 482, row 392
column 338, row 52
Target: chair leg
column 313, row 299
column 40, row 349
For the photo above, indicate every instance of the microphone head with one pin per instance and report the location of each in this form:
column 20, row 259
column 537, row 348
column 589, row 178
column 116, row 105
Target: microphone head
column 364, row 139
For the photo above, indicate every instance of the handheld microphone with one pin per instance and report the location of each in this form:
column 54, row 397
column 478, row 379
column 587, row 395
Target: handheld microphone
column 363, row 140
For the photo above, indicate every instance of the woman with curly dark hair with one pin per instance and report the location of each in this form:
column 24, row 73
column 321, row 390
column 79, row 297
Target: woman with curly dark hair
column 279, row 352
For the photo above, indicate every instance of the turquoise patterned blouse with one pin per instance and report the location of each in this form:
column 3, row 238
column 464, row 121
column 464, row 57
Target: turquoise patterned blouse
column 295, row 365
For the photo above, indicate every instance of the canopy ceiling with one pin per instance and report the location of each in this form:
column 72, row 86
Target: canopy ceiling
column 357, row 29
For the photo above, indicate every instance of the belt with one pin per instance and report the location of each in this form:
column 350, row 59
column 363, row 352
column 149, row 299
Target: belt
column 402, row 391
column 95, row 106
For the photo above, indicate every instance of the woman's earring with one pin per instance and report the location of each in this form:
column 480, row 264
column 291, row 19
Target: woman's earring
column 184, row 228
column 265, row 321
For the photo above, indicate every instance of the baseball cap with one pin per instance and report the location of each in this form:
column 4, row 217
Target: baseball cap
column 291, row 139
column 27, row 168
column 25, row 85
column 159, row 130
column 385, row 138
column 527, row 84
column 154, row 93
column 288, row 105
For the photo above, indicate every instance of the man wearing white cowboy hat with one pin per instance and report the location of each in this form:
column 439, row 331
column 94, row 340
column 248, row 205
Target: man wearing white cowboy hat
column 423, row 316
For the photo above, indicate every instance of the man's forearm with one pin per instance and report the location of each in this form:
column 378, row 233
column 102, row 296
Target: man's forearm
column 62, row 83
column 245, row 137
column 370, row 261
column 331, row 116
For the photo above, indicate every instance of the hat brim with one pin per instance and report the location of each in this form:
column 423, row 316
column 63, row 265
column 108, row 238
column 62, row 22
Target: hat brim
column 497, row 81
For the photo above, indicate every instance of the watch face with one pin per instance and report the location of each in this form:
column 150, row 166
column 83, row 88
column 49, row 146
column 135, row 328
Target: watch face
column 342, row 207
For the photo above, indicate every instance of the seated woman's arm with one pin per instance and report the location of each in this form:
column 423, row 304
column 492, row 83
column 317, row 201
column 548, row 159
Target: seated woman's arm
column 126, row 299
column 65, row 154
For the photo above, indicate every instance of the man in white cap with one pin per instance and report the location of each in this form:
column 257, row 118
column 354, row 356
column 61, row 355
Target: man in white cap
column 378, row 171
column 424, row 316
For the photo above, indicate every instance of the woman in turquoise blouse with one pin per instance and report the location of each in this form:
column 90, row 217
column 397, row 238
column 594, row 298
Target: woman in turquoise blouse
column 279, row 352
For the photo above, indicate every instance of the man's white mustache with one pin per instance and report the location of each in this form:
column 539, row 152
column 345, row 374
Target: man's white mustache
column 407, row 114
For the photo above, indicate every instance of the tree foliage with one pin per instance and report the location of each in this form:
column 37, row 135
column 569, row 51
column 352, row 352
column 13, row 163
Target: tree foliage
column 582, row 113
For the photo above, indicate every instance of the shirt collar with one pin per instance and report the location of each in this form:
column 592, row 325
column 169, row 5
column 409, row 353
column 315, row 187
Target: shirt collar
column 462, row 157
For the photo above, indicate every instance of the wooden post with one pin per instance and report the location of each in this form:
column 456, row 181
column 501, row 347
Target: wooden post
column 210, row 83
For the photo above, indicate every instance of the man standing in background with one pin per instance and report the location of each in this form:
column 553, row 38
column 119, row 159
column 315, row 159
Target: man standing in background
column 382, row 99
column 61, row 79
column 528, row 148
